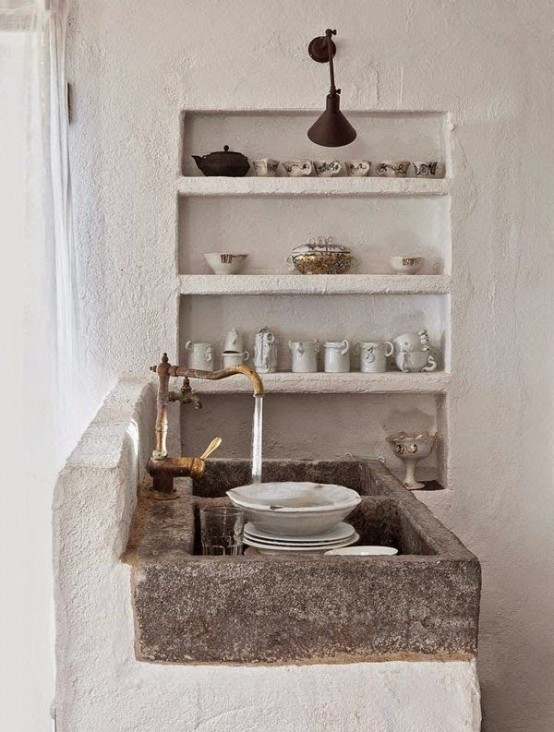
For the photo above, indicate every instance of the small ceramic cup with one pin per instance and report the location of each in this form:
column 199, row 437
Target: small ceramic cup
column 232, row 358
column 358, row 168
column 234, row 342
column 266, row 167
column 327, row 168
column 373, row 356
column 304, row 356
column 390, row 169
column 337, row 357
column 222, row 263
column 201, row 356
column 425, row 170
column 406, row 263
column 298, row 168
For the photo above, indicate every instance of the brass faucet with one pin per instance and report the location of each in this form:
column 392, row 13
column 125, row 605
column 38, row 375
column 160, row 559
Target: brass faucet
column 161, row 467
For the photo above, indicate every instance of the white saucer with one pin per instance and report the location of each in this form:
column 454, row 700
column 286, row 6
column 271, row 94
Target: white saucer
column 338, row 532
column 293, row 548
column 363, row 551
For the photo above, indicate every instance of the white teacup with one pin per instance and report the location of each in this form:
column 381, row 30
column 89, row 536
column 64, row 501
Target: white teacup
column 232, row 358
column 327, row 168
column 223, row 263
column 266, row 167
column 358, row 168
column 390, row 169
column 298, row 168
column 426, row 170
column 201, row 356
column 304, row 356
column 373, row 356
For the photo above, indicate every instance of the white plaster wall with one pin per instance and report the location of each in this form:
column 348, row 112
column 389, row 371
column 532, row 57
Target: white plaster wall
column 136, row 65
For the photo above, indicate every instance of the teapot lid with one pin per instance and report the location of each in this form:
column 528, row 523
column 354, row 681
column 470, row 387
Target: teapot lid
column 325, row 244
column 225, row 152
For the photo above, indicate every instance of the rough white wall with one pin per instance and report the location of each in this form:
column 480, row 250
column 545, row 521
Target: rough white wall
column 135, row 65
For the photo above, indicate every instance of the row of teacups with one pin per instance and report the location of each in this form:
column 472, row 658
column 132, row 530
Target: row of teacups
column 269, row 167
column 372, row 354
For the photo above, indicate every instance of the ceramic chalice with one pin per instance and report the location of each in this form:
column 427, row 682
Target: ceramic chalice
column 411, row 448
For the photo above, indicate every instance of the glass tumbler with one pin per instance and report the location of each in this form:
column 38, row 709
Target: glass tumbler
column 221, row 530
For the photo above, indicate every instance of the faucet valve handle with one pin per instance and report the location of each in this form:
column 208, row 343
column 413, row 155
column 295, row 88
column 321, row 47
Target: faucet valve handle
column 212, row 447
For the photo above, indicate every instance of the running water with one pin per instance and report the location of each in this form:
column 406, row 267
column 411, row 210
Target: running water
column 257, row 440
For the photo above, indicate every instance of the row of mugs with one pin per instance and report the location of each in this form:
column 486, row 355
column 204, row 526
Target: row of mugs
column 268, row 167
column 372, row 356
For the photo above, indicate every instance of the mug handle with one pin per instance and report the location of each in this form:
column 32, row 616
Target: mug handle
column 208, row 356
column 345, row 348
column 189, row 346
column 290, row 263
column 308, row 165
column 389, row 348
column 431, row 364
column 245, row 356
column 317, row 346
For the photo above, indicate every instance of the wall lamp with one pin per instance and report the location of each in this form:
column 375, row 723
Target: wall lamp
column 331, row 129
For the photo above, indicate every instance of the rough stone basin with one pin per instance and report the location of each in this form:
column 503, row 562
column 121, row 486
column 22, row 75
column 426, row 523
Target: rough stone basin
column 423, row 603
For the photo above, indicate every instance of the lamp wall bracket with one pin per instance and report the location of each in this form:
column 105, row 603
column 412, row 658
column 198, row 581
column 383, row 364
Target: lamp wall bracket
column 319, row 50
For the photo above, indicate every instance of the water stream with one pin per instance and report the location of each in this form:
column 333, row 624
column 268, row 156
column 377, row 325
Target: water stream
column 257, row 440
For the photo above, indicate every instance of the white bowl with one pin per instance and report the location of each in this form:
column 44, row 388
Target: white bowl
column 294, row 509
column 225, row 263
column 362, row 551
column 406, row 263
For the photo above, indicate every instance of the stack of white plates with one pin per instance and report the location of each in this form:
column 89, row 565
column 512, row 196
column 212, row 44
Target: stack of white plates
column 339, row 536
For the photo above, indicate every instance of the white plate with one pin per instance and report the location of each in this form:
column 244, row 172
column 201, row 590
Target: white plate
column 362, row 551
column 277, row 548
column 308, row 544
column 338, row 532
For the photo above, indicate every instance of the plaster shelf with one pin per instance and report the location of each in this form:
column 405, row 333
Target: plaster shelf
column 293, row 284
column 253, row 186
column 322, row 383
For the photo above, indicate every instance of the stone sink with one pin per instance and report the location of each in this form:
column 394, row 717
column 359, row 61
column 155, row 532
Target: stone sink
column 421, row 604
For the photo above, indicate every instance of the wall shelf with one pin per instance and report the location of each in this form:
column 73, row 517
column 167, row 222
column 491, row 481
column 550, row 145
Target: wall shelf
column 342, row 186
column 391, row 382
column 294, row 284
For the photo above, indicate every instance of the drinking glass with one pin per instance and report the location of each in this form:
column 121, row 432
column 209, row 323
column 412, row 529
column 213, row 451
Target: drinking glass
column 221, row 530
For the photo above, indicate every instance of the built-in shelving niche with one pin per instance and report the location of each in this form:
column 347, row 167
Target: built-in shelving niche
column 317, row 415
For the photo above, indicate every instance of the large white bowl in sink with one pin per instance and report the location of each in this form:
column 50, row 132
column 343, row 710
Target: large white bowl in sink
column 294, row 509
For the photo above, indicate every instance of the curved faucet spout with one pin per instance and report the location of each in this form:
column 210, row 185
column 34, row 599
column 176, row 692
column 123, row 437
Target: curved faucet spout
column 165, row 370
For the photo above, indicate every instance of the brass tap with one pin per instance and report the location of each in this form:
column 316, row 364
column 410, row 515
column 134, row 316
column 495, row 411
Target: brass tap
column 162, row 468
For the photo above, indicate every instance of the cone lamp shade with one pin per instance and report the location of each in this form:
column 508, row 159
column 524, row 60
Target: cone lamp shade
column 331, row 129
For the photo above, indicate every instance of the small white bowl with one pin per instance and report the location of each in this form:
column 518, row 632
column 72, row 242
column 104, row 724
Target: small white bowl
column 223, row 263
column 406, row 263
column 363, row 551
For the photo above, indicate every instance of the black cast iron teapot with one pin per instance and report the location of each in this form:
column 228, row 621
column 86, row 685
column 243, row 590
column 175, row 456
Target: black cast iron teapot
column 223, row 162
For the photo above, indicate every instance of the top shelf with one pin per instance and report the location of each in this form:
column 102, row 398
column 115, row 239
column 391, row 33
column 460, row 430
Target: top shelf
column 340, row 186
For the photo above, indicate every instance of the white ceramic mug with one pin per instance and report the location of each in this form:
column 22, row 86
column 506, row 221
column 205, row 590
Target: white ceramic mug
column 373, row 356
column 201, row 356
column 234, row 341
column 337, row 357
column 304, row 356
column 234, row 358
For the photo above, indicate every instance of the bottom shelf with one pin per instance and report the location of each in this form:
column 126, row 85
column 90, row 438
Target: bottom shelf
column 392, row 382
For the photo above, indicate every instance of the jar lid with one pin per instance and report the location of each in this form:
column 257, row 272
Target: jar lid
column 321, row 244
